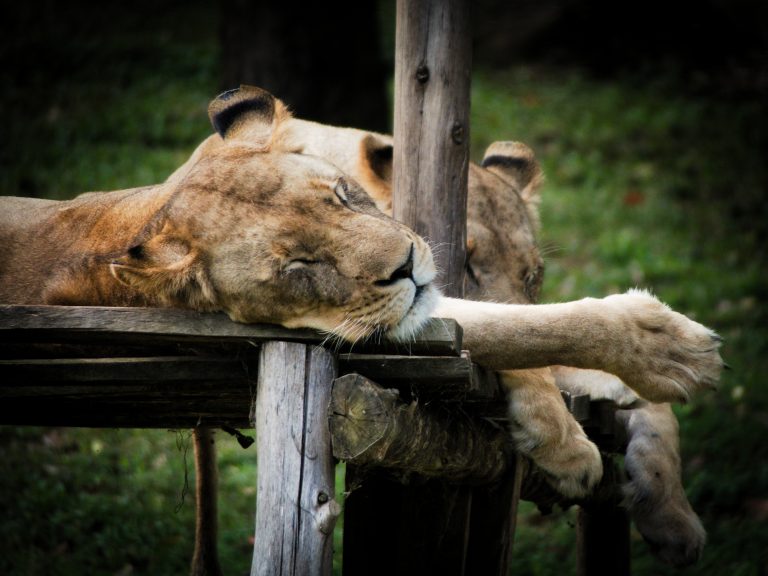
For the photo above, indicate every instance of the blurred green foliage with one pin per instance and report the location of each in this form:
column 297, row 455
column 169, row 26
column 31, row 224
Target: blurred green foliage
column 645, row 187
column 635, row 197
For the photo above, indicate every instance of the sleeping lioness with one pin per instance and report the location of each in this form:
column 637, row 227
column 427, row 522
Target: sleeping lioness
column 504, row 265
column 256, row 227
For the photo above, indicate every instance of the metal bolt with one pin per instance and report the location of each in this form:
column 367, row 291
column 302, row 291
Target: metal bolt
column 322, row 498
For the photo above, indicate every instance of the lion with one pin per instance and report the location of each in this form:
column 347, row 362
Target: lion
column 504, row 265
column 256, row 227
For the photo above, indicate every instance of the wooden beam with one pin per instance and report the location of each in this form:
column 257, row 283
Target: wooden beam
column 93, row 375
column 372, row 427
column 427, row 377
column 150, row 326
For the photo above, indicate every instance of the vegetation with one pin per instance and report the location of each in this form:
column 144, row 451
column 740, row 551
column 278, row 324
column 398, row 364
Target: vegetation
column 633, row 197
column 637, row 194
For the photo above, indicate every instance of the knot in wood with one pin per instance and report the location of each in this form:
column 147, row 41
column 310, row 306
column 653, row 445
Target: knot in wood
column 422, row 74
column 322, row 498
column 457, row 133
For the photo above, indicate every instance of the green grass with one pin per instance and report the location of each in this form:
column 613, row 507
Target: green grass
column 645, row 187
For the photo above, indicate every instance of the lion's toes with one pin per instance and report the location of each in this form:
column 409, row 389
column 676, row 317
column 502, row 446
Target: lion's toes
column 671, row 356
column 573, row 468
column 668, row 524
column 654, row 494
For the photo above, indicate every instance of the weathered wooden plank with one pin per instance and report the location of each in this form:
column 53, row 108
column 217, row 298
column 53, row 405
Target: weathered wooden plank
column 145, row 326
column 426, row 377
column 372, row 427
column 96, row 372
column 114, row 324
column 492, row 523
column 439, row 337
column 296, row 510
column 179, row 412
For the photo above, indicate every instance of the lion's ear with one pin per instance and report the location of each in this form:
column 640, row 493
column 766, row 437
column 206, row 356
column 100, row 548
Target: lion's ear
column 164, row 269
column 515, row 163
column 247, row 113
column 377, row 155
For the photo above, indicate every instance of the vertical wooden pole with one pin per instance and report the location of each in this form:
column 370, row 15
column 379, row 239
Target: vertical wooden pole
column 426, row 523
column 433, row 56
column 493, row 522
column 295, row 506
column 602, row 536
column 205, row 561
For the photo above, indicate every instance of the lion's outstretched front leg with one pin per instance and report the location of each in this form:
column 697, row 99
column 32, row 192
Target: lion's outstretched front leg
column 654, row 493
column 544, row 430
column 662, row 355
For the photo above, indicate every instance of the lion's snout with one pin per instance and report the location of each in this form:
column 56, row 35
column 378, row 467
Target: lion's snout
column 403, row 272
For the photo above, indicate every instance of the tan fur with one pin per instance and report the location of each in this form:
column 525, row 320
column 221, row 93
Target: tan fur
column 504, row 265
column 262, row 234
column 256, row 224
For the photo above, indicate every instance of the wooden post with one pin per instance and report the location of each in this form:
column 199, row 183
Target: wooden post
column 295, row 506
column 205, row 561
column 428, row 521
column 433, row 55
column 602, row 540
column 603, row 533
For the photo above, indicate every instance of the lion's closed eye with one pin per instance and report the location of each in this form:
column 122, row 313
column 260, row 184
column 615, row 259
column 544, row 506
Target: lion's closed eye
column 340, row 189
column 299, row 263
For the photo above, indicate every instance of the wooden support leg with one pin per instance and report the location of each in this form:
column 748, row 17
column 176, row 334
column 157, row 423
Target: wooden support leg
column 205, row 561
column 296, row 510
column 493, row 523
column 391, row 528
column 602, row 537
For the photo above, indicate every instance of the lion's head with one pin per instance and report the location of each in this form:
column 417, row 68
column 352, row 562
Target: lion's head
column 503, row 260
column 270, row 235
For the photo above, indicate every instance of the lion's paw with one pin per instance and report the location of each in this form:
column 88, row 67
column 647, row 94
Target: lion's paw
column 663, row 356
column 662, row 514
column 571, row 464
column 654, row 494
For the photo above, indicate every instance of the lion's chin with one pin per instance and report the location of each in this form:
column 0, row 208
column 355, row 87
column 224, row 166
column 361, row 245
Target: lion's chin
column 424, row 302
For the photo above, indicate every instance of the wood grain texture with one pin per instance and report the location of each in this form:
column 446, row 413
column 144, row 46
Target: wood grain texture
column 426, row 525
column 151, row 326
column 205, row 559
column 373, row 427
column 431, row 131
column 296, row 510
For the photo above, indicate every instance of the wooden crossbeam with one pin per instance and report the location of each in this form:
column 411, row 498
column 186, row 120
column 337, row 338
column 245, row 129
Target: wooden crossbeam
column 151, row 326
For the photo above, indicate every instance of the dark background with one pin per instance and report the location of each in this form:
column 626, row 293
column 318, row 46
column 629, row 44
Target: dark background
column 113, row 95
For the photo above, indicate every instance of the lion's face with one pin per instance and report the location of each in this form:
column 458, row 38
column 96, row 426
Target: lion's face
column 503, row 259
column 273, row 236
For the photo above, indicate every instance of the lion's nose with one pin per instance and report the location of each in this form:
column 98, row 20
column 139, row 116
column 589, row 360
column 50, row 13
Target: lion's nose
column 404, row 272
